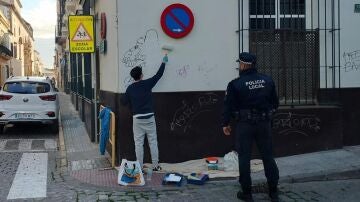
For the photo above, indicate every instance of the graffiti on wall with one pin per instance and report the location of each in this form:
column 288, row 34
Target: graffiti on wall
column 136, row 55
column 183, row 71
column 303, row 124
column 189, row 111
column 352, row 61
column 202, row 72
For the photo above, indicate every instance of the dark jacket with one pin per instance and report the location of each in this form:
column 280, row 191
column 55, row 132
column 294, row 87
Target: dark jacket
column 251, row 91
column 139, row 94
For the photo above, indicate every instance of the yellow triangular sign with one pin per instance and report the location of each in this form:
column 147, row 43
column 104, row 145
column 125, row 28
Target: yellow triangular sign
column 81, row 34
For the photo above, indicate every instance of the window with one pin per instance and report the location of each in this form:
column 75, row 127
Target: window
column 262, row 7
column 15, row 50
column 277, row 14
column 25, row 87
column 12, row 49
column 262, row 23
column 292, row 23
column 292, row 7
column 7, row 71
column 20, row 52
column 262, row 14
column 292, row 14
column 285, row 49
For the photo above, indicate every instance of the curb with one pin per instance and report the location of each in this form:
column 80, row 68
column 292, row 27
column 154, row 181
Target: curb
column 350, row 173
column 323, row 176
column 62, row 147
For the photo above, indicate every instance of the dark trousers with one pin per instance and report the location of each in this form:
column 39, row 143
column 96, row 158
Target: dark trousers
column 246, row 133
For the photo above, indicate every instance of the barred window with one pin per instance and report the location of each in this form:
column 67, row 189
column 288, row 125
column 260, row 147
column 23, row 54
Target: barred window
column 277, row 14
column 285, row 49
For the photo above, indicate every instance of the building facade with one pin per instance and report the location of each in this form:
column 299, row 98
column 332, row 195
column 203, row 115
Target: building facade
column 309, row 47
column 76, row 70
column 38, row 64
column 5, row 48
column 21, row 37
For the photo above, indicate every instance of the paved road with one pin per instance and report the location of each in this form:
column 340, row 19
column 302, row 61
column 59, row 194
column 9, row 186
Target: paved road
column 27, row 159
column 29, row 170
column 325, row 191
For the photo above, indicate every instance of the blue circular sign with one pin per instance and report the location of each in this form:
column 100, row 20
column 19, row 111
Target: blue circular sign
column 177, row 20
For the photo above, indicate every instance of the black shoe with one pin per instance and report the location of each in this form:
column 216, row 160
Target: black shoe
column 245, row 196
column 157, row 169
column 274, row 195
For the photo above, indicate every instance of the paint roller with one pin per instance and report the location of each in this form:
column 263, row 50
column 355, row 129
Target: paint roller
column 167, row 48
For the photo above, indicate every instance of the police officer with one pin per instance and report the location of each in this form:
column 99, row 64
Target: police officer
column 252, row 99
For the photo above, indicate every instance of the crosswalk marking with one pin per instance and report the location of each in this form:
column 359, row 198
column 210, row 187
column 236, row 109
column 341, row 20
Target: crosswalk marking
column 23, row 145
column 12, row 145
column 31, row 177
column 50, row 144
column 2, row 144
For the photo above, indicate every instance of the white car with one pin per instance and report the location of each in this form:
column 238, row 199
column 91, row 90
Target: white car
column 29, row 100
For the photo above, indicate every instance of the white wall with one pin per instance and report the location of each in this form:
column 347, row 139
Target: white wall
column 109, row 70
column 205, row 60
column 202, row 61
column 350, row 44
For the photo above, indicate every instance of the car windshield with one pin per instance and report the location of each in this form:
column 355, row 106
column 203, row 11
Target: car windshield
column 26, row 87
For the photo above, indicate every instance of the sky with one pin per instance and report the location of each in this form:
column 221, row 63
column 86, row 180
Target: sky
column 41, row 14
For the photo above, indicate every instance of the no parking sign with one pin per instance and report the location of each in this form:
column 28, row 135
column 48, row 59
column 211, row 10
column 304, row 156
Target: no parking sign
column 177, row 21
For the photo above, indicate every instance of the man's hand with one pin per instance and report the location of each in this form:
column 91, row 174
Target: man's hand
column 165, row 59
column 227, row 130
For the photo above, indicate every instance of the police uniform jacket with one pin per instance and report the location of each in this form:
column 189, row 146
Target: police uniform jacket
column 251, row 91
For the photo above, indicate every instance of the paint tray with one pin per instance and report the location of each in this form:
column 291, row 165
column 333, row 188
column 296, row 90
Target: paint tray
column 197, row 178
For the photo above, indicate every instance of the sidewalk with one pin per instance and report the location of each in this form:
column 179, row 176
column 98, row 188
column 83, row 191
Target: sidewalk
column 81, row 153
column 86, row 165
column 316, row 166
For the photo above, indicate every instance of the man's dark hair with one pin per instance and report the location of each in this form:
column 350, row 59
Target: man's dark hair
column 136, row 73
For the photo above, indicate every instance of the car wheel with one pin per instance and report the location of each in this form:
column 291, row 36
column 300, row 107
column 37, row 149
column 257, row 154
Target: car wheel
column 2, row 127
column 55, row 127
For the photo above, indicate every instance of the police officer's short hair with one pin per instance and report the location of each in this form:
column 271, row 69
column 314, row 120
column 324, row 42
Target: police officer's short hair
column 136, row 73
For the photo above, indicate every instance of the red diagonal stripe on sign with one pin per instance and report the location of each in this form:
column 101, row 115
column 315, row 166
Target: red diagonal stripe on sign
column 177, row 20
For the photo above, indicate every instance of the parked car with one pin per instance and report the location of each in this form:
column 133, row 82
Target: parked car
column 29, row 100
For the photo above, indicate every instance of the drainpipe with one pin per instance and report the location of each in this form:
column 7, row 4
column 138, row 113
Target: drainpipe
column 118, row 47
column 239, row 27
column 118, row 66
column 94, row 82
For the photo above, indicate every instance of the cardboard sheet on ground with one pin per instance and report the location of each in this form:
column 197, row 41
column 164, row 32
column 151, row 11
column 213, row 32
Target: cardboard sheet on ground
column 200, row 166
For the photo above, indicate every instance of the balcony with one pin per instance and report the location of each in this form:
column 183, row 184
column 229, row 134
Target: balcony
column 60, row 40
column 65, row 20
column 64, row 31
column 70, row 6
column 5, row 51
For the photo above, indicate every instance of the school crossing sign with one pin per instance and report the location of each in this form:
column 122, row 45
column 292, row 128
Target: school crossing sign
column 81, row 33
